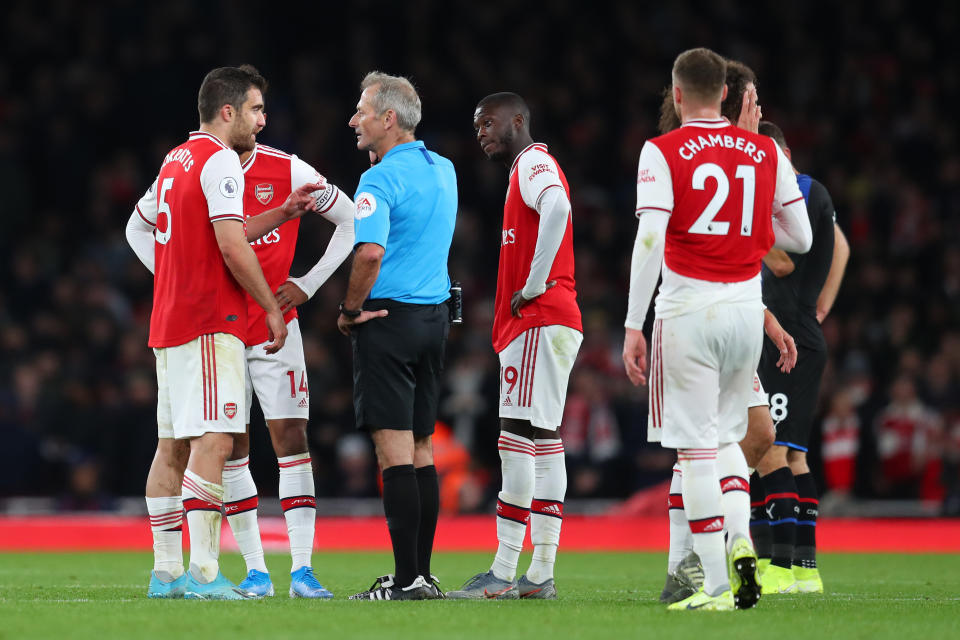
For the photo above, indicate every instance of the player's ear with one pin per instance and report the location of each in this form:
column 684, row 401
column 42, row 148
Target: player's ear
column 677, row 96
column 226, row 112
column 723, row 94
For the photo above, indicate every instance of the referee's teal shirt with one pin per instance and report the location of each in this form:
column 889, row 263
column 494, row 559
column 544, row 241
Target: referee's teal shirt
column 408, row 205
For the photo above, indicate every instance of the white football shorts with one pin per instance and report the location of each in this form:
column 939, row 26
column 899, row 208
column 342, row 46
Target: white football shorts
column 534, row 371
column 758, row 397
column 200, row 387
column 702, row 367
column 280, row 379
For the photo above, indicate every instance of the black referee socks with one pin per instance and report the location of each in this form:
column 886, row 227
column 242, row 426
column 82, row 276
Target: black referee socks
column 401, row 506
column 429, row 485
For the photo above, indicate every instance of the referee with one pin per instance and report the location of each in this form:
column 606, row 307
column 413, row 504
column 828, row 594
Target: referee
column 397, row 319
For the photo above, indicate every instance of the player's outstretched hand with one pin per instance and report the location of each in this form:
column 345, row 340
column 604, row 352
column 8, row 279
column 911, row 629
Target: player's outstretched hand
column 783, row 340
column 518, row 301
column 302, row 199
column 344, row 323
column 276, row 330
column 751, row 113
column 289, row 296
column 635, row 356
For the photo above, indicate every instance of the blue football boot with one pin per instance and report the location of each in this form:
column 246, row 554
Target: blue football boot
column 257, row 584
column 219, row 589
column 168, row 589
column 303, row 584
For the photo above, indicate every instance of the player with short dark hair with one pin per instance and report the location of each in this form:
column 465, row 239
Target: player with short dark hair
column 705, row 194
column 203, row 265
column 537, row 333
column 784, row 492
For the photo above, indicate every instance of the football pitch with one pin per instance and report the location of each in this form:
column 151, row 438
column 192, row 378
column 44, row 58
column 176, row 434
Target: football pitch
column 602, row 595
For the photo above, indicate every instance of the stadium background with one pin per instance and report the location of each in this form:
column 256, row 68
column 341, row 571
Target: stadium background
column 93, row 93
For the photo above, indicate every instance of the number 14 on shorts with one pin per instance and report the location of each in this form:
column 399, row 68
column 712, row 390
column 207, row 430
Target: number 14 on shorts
column 294, row 387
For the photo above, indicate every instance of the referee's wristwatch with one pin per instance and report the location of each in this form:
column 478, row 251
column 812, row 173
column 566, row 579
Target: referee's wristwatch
column 350, row 313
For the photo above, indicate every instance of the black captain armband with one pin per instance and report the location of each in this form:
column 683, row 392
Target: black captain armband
column 350, row 313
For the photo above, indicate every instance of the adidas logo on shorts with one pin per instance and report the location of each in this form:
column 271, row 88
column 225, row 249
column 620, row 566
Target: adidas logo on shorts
column 507, row 403
column 303, row 403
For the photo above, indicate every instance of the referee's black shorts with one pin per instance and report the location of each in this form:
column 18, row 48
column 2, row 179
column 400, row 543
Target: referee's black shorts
column 793, row 396
column 397, row 363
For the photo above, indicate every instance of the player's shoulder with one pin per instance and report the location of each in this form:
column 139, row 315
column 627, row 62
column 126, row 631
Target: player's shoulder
column 535, row 159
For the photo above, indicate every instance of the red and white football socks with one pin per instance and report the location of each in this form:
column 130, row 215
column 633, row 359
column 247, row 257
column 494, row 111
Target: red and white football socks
column 735, row 491
column 299, row 503
column 546, row 510
column 681, row 540
column 202, row 500
column 701, row 502
column 513, row 502
column 240, row 506
column 166, row 523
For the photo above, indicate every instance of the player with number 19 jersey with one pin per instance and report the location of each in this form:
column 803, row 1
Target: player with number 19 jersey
column 195, row 294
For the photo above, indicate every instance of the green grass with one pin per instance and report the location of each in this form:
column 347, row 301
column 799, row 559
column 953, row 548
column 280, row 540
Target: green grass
column 602, row 595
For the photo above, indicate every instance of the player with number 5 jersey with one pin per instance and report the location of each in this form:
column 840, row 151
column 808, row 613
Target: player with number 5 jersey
column 705, row 194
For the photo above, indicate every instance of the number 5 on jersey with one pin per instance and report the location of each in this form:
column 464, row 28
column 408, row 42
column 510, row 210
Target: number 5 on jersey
column 164, row 215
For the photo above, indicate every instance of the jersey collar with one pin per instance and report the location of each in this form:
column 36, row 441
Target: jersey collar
column 707, row 123
column 539, row 146
column 416, row 144
column 194, row 135
column 253, row 156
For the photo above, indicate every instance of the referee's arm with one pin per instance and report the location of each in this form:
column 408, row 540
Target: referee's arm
column 367, row 257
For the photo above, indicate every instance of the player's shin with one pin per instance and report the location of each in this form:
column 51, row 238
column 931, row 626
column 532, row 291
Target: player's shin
column 759, row 523
column 240, row 506
column 681, row 540
column 299, row 503
column 166, row 523
column 701, row 501
column 513, row 502
column 781, row 508
column 735, row 491
column 805, row 551
column 546, row 511
column 203, row 500
column 429, row 486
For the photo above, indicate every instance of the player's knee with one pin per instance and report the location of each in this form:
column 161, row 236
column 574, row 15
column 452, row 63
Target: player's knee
column 521, row 428
column 215, row 446
column 241, row 446
column 289, row 436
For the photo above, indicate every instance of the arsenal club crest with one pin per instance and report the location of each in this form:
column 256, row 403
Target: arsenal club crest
column 230, row 409
column 264, row 193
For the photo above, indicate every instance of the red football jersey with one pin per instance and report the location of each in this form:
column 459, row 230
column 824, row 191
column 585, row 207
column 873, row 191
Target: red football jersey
column 270, row 176
column 718, row 182
column 533, row 172
column 194, row 293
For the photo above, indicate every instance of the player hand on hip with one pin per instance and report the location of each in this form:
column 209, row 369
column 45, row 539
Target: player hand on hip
column 344, row 323
column 518, row 300
column 289, row 296
column 635, row 356
column 302, row 200
column 276, row 330
column 783, row 340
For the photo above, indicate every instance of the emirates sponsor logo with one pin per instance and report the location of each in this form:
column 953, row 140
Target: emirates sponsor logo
column 230, row 409
column 264, row 193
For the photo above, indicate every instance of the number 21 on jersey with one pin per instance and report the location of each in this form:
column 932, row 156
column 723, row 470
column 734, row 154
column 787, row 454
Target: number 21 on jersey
column 705, row 223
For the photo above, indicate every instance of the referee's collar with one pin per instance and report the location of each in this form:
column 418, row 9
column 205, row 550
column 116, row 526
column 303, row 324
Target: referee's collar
column 416, row 144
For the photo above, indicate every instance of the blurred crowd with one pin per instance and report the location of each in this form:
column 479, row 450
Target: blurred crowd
column 93, row 94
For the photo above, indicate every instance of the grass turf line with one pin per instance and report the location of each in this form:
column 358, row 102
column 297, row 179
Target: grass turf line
column 602, row 595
